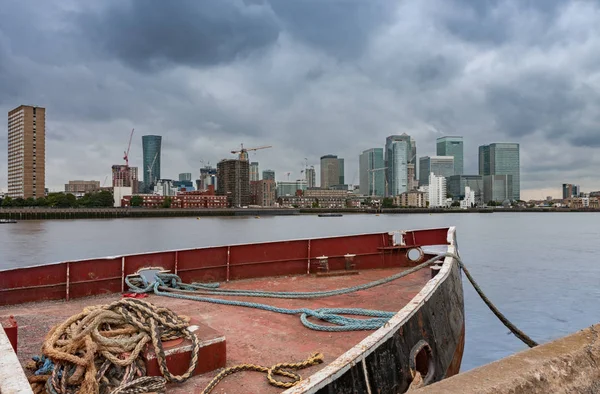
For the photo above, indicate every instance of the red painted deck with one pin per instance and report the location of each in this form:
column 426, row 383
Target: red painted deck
column 253, row 336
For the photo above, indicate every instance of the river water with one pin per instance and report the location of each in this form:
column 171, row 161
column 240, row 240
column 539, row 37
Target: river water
column 540, row 269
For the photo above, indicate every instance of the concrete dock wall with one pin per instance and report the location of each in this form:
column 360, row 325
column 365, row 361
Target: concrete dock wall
column 568, row 365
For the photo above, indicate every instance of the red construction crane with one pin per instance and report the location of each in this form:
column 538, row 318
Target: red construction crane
column 126, row 154
column 244, row 151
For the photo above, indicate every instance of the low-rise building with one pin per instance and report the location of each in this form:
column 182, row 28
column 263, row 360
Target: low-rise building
column 325, row 193
column 82, row 187
column 195, row 199
column 583, row 202
column 412, row 199
column 312, row 202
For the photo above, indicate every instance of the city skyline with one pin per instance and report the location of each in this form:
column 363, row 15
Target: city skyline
column 275, row 82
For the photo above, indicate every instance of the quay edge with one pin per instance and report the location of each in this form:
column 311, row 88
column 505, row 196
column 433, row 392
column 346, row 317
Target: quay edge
column 566, row 365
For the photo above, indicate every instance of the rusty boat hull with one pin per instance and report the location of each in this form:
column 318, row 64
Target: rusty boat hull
column 426, row 334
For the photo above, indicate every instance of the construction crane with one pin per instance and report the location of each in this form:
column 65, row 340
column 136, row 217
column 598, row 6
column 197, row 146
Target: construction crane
column 150, row 169
column 243, row 152
column 104, row 183
column 373, row 178
column 126, row 153
column 288, row 175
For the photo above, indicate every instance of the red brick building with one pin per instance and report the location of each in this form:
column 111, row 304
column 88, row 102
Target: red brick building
column 195, row 199
column 263, row 192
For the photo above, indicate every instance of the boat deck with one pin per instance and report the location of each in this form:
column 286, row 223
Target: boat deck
column 253, row 336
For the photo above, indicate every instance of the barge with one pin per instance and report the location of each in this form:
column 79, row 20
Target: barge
column 420, row 343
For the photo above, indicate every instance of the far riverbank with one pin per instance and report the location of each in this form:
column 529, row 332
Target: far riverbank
column 106, row 213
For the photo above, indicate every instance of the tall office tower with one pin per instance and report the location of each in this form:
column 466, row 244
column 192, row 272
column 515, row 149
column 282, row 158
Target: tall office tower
column 452, row 146
column 254, row 174
column 372, row 172
column 311, row 177
column 268, row 175
column 151, row 158
column 332, row 171
column 438, row 165
column 234, row 181
column 502, row 159
column 27, row 152
column 400, row 150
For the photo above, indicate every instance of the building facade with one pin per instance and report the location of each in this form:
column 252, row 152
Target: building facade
column 569, row 191
column 332, row 171
column 254, row 174
column 400, row 150
column 82, row 187
column 502, row 159
column 185, row 176
column 411, row 199
column 125, row 176
column 497, row 188
column 27, row 152
column 438, row 165
column 151, row 147
column 234, row 181
column 291, row 188
column 263, row 193
column 372, row 172
column 456, row 185
column 452, row 146
column 311, row 177
column 437, row 191
column 268, row 175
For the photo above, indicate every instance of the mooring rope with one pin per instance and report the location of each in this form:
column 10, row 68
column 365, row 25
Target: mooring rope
column 171, row 285
column 100, row 348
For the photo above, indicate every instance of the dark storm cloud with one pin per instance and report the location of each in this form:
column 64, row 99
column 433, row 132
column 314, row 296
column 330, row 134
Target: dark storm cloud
column 154, row 34
column 339, row 27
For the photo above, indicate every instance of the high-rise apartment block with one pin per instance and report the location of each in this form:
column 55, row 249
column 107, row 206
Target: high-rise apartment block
column 151, row 146
column 332, row 171
column 372, row 172
column 569, row 191
column 437, row 191
column 27, row 152
column 208, row 177
column 311, row 177
column 263, row 192
column 125, row 176
column 254, row 174
column 452, row 146
column 268, row 175
column 502, row 159
column 234, row 181
column 438, row 165
column 400, row 151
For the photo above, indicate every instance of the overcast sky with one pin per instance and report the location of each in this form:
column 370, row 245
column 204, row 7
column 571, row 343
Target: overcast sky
column 310, row 77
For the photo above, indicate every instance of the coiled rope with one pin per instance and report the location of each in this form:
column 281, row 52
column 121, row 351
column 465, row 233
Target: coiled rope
column 98, row 350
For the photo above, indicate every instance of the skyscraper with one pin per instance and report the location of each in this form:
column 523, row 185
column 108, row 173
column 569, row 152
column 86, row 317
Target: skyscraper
column 452, row 146
column 372, row 172
column 268, row 175
column 27, row 152
column 502, row 159
column 400, row 150
column 234, row 181
column 311, row 177
column 332, row 171
column 438, row 165
column 151, row 158
column 254, row 175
